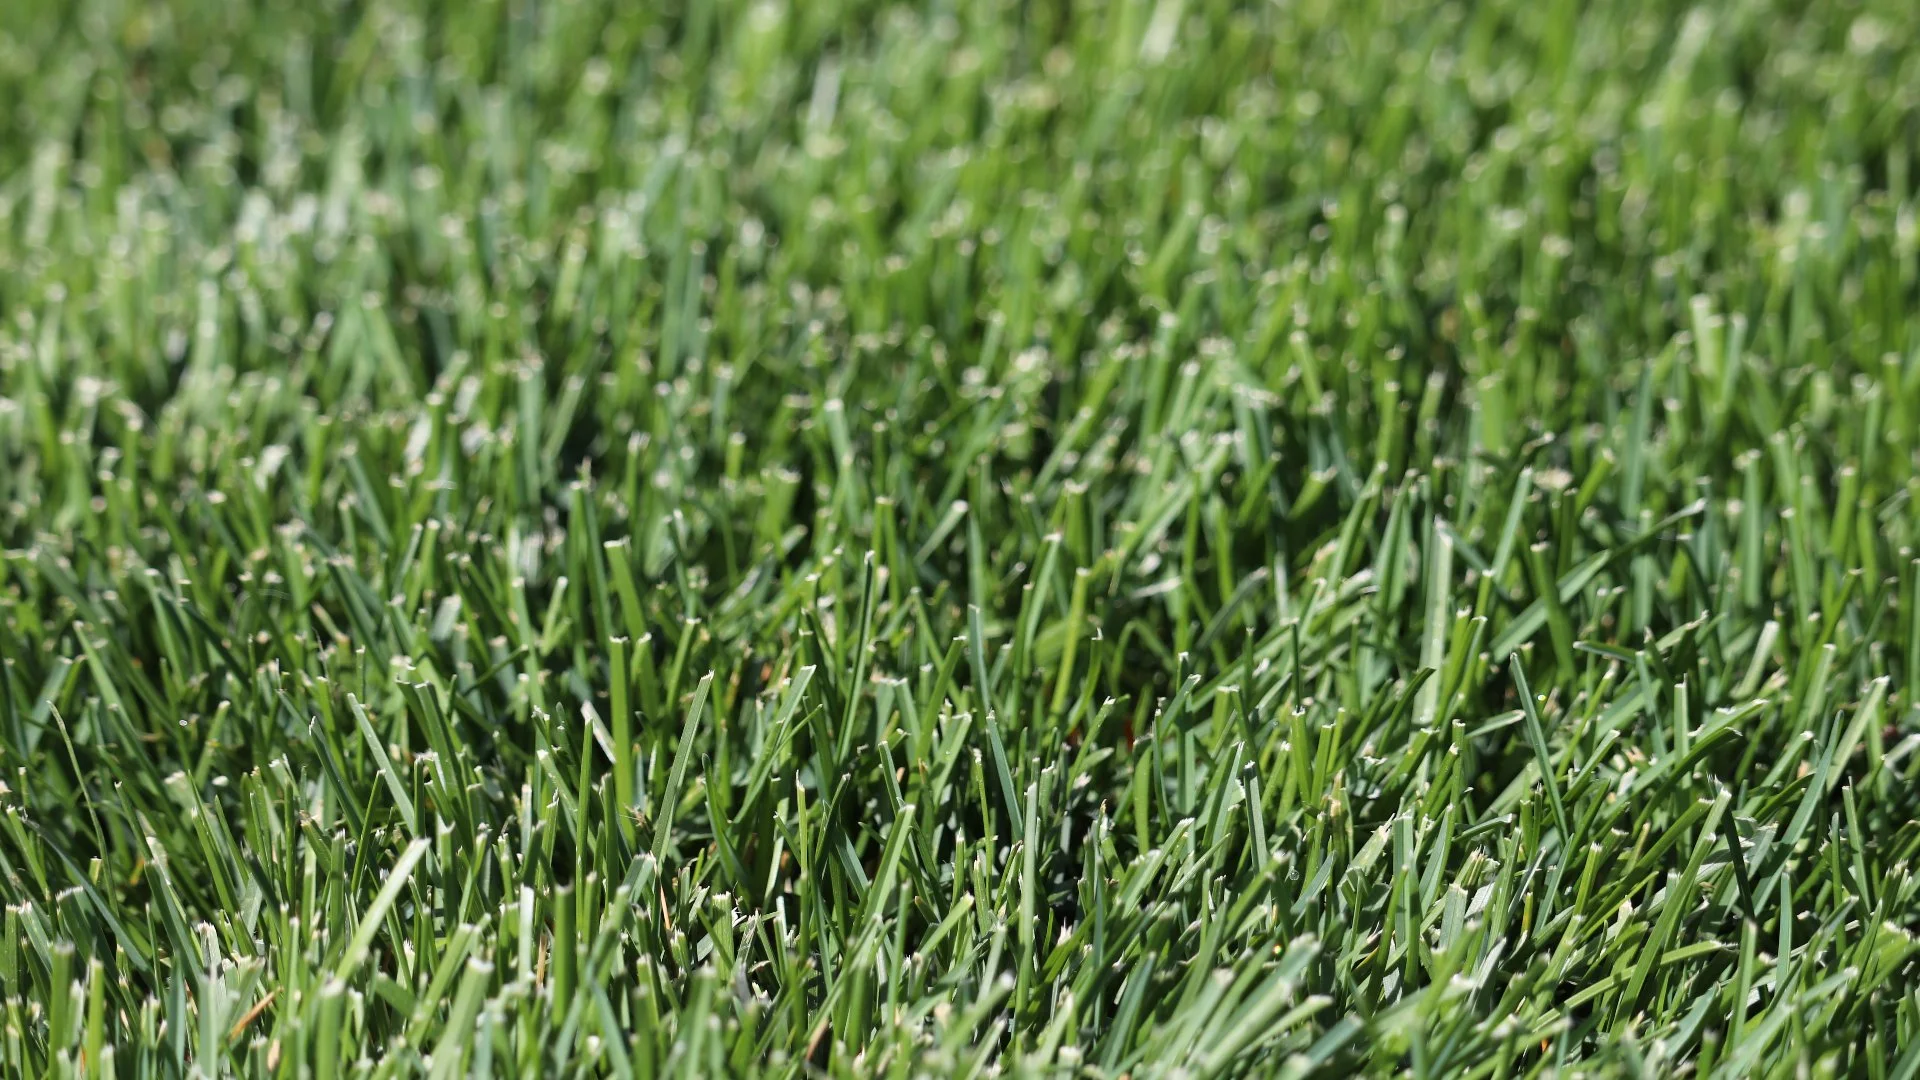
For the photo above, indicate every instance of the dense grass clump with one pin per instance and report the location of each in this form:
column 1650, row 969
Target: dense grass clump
column 1153, row 537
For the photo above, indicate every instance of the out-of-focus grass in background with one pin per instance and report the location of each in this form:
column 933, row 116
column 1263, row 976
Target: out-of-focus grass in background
column 1154, row 537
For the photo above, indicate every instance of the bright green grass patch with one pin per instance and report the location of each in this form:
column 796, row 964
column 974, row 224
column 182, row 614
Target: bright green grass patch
column 549, row 538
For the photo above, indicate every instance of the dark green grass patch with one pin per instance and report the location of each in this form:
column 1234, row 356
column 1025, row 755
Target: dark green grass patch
column 1154, row 538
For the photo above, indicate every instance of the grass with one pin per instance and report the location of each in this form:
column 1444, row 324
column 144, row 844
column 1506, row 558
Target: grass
column 1158, row 538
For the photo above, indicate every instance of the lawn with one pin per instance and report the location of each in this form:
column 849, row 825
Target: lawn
column 1165, row 538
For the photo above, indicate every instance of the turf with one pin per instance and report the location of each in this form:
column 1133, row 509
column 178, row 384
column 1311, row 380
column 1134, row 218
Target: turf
column 550, row 538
